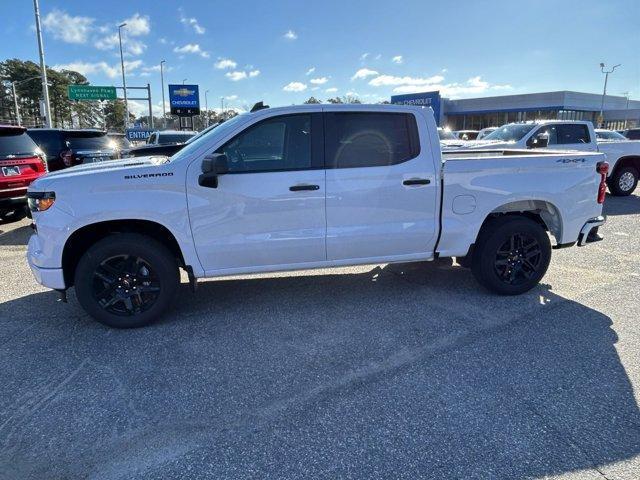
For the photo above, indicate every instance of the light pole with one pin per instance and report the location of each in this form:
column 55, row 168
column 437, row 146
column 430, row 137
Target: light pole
column 124, row 82
column 184, row 80
column 15, row 97
column 206, row 108
column 222, row 108
column 604, row 91
column 43, row 67
column 626, row 110
column 164, row 110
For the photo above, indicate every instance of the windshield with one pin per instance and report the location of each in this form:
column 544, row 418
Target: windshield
column 174, row 137
column 609, row 135
column 446, row 134
column 221, row 130
column 203, row 132
column 510, row 133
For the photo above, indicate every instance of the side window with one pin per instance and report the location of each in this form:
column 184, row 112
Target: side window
column 573, row 133
column 152, row 138
column 373, row 139
column 277, row 143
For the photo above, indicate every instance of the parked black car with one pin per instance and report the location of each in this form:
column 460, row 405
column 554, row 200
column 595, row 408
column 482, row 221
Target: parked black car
column 119, row 141
column 66, row 148
column 164, row 149
column 632, row 133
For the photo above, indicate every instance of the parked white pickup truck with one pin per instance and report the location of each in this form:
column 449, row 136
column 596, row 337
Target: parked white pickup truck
column 305, row 187
column 622, row 156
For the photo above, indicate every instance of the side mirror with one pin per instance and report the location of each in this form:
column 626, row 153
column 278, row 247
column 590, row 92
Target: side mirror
column 212, row 166
column 540, row 140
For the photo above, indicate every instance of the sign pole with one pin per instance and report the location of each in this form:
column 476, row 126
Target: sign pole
column 150, row 109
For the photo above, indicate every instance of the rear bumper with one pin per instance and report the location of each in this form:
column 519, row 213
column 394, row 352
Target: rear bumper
column 48, row 277
column 13, row 202
column 589, row 232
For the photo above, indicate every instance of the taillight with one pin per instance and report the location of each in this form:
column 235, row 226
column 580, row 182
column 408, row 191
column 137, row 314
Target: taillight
column 603, row 169
column 67, row 157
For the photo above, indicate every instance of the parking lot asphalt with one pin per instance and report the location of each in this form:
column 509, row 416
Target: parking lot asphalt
column 389, row 371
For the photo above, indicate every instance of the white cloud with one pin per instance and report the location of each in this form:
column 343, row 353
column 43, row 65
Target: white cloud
column 319, row 81
column 236, row 75
column 254, row 73
column 390, row 80
column 352, row 94
column 290, row 35
column 137, row 25
column 294, row 87
column 67, row 28
column 364, row 73
column 473, row 86
column 191, row 22
column 331, row 90
column 225, row 63
column 364, row 56
column 397, row 59
column 192, row 48
column 231, row 97
column 310, row 71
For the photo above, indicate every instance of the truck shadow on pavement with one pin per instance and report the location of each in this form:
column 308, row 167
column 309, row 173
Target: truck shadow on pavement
column 407, row 370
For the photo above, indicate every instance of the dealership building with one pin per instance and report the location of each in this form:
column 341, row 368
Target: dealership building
column 477, row 113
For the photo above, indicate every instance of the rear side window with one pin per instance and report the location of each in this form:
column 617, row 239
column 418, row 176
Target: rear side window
column 18, row 145
column 374, row 139
column 633, row 134
column 572, row 133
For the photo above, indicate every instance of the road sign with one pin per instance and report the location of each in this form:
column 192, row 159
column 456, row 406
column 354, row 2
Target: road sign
column 137, row 134
column 425, row 99
column 91, row 92
column 184, row 100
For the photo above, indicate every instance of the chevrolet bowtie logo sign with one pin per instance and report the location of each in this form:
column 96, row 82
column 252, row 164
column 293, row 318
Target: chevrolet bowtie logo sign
column 184, row 100
column 184, row 92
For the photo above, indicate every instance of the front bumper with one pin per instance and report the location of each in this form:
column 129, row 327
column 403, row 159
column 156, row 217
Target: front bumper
column 589, row 233
column 48, row 277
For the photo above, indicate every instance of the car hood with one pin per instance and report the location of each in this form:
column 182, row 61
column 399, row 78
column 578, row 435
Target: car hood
column 87, row 171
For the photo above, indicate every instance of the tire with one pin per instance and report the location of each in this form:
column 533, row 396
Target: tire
column 511, row 256
column 623, row 181
column 126, row 280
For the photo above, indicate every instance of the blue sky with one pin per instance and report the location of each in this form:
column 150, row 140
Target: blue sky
column 282, row 52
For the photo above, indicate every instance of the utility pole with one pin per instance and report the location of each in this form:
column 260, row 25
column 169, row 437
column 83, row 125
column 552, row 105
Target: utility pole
column 222, row 108
column 150, row 107
column 206, row 108
column 626, row 110
column 15, row 103
column 604, row 91
column 124, row 82
column 43, row 68
column 164, row 110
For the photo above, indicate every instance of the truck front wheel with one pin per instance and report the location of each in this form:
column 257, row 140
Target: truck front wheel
column 511, row 256
column 126, row 280
column 623, row 181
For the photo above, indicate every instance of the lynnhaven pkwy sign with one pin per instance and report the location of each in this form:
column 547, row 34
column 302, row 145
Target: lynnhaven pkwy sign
column 91, row 92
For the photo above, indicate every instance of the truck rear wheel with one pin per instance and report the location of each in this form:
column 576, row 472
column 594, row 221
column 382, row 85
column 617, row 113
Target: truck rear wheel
column 623, row 181
column 126, row 280
column 511, row 256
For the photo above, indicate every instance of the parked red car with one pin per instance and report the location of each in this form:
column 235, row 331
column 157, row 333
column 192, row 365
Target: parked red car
column 21, row 162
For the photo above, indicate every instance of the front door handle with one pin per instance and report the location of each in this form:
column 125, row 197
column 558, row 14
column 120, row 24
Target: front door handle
column 417, row 181
column 299, row 188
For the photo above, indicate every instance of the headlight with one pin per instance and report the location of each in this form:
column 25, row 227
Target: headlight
column 40, row 201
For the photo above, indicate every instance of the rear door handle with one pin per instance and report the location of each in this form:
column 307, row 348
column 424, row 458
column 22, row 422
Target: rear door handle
column 417, row 181
column 299, row 188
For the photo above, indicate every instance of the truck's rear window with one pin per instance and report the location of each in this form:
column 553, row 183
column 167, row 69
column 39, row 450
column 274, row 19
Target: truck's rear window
column 11, row 144
column 89, row 143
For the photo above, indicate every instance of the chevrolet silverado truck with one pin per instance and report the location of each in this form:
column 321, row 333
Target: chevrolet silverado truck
column 622, row 156
column 305, row 187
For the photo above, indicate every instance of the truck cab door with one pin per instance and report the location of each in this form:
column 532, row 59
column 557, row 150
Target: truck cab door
column 267, row 211
column 381, row 186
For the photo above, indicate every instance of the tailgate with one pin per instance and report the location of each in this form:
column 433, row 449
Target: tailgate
column 16, row 174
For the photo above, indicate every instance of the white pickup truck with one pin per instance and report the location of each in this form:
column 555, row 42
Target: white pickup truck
column 623, row 155
column 306, row 187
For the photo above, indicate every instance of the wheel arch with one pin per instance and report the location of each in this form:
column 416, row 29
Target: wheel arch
column 81, row 239
column 627, row 161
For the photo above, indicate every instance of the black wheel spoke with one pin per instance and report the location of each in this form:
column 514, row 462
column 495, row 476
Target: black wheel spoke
column 516, row 260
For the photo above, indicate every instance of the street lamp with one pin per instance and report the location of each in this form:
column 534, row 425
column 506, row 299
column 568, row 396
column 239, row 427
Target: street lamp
column 604, row 91
column 184, row 80
column 43, row 67
column 164, row 110
column 626, row 110
column 206, row 108
column 15, row 96
column 124, row 82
